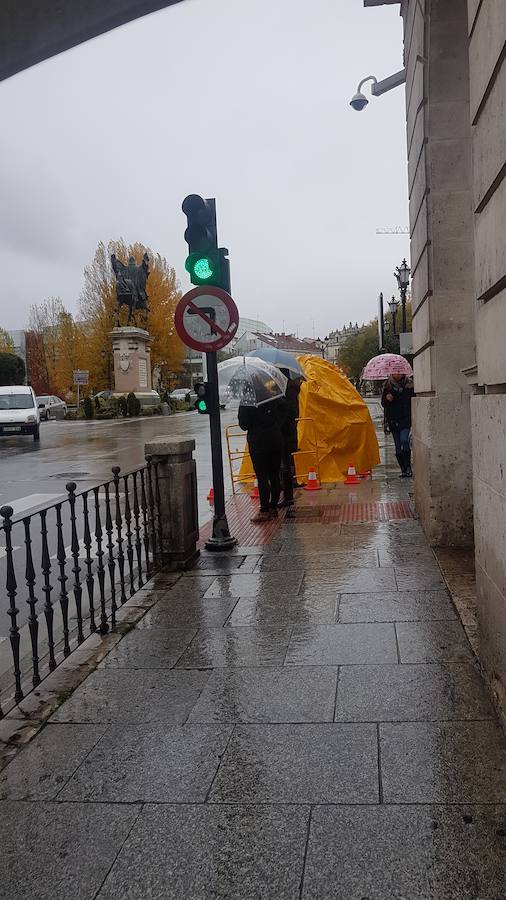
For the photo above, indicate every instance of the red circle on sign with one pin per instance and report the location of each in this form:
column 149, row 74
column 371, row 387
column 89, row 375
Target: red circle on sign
column 223, row 336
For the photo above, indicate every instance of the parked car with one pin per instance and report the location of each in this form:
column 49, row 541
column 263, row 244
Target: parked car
column 51, row 407
column 182, row 394
column 104, row 395
column 19, row 413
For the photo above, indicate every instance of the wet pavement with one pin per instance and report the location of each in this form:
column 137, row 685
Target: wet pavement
column 302, row 721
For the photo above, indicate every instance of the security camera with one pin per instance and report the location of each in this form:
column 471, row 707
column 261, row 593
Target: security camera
column 359, row 102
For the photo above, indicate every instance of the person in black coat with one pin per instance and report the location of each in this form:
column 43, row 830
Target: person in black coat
column 263, row 425
column 289, row 432
column 396, row 401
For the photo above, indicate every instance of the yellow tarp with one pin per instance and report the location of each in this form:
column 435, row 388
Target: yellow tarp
column 339, row 422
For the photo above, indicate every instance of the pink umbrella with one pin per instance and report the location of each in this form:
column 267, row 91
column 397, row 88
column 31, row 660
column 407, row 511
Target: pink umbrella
column 386, row 364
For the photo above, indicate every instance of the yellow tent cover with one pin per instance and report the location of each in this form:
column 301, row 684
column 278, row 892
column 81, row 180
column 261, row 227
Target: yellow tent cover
column 335, row 420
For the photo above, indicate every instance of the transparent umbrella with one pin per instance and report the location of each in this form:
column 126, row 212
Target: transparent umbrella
column 250, row 380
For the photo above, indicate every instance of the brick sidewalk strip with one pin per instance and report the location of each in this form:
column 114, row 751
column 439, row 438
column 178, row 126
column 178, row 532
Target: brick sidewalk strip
column 300, row 719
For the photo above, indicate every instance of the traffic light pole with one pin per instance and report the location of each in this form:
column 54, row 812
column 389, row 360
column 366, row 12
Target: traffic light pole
column 221, row 539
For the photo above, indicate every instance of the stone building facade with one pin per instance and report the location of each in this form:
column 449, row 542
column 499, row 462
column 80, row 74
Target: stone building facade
column 455, row 58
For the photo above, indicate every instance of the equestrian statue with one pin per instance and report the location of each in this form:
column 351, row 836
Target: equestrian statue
column 131, row 286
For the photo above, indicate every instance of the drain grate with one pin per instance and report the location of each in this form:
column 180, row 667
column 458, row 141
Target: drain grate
column 347, row 513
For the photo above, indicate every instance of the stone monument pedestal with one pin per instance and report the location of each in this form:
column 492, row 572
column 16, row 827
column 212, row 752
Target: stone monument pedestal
column 132, row 363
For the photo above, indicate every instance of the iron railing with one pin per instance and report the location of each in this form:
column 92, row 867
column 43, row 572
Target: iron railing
column 81, row 558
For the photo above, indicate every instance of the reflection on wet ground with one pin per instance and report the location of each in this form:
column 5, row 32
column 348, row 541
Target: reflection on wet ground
column 304, row 720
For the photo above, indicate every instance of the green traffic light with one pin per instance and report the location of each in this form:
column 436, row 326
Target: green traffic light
column 202, row 406
column 202, row 268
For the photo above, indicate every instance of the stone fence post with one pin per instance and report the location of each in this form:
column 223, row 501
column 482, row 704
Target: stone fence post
column 177, row 482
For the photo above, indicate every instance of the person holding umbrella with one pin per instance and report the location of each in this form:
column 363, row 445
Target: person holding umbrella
column 396, row 401
column 260, row 388
column 263, row 425
column 289, row 433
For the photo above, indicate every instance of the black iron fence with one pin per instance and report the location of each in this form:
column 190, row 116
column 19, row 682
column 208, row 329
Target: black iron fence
column 80, row 558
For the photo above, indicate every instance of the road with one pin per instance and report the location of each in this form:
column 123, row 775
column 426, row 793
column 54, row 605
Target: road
column 35, row 474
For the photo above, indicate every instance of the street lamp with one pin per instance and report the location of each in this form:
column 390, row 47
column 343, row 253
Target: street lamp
column 402, row 274
column 393, row 305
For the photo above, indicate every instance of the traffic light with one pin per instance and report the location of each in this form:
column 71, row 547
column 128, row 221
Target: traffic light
column 202, row 404
column 205, row 263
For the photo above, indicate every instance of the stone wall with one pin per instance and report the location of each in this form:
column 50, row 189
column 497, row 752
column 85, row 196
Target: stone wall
column 487, row 51
column 440, row 204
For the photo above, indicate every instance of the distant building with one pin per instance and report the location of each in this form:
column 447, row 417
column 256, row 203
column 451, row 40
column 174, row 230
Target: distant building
column 19, row 341
column 252, row 340
column 336, row 339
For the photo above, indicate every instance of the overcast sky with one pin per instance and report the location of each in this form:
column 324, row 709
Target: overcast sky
column 243, row 100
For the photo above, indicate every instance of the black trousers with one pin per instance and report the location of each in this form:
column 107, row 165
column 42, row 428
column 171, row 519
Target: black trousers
column 267, row 467
column 287, row 474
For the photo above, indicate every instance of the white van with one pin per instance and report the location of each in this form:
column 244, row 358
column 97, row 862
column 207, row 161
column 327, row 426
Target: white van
column 18, row 411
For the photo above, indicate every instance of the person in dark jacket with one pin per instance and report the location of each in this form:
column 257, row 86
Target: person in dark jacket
column 289, row 432
column 263, row 425
column 396, row 401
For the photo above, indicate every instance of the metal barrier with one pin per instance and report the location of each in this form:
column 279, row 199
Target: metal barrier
column 106, row 541
column 234, row 435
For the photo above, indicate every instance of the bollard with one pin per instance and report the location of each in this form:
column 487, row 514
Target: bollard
column 176, row 474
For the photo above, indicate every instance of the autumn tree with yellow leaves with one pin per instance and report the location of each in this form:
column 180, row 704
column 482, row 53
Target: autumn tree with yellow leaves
column 98, row 316
column 59, row 346
column 6, row 342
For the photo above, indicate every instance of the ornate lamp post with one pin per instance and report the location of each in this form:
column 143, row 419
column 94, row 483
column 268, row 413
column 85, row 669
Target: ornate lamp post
column 402, row 274
column 393, row 305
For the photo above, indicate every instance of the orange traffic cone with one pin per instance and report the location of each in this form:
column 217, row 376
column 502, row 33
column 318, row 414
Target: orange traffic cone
column 312, row 481
column 254, row 493
column 352, row 477
column 210, row 495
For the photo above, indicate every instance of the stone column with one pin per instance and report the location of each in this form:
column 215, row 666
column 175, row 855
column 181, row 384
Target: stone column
column 177, row 482
column 441, row 218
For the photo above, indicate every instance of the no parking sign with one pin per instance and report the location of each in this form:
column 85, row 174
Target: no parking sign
column 206, row 319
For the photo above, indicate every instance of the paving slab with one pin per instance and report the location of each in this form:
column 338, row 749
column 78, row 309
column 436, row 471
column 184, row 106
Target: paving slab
column 318, row 561
column 299, row 764
column 255, row 585
column 411, row 693
column 185, row 588
column 44, row 765
column 152, row 762
column 268, row 695
column 300, row 609
column 208, row 852
column 149, row 648
column 396, row 606
column 406, row 853
column 432, row 642
column 443, row 762
column 419, row 578
column 135, row 696
column 191, row 612
column 243, row 646
column 57, row 851
column 353, row 581
column 334, row 645
column 417, row 554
